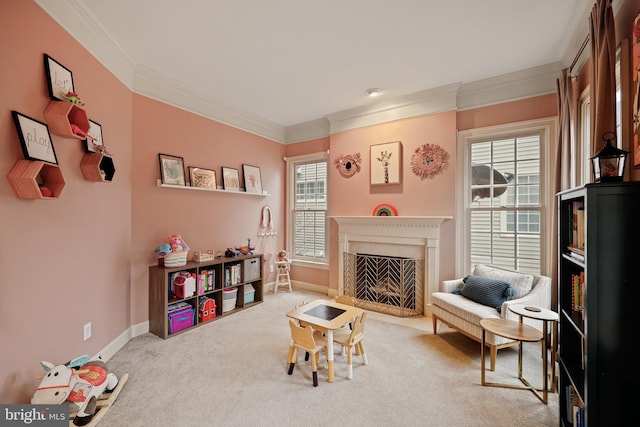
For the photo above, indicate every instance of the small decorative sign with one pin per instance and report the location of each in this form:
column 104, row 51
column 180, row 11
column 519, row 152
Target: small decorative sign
column 34, row 138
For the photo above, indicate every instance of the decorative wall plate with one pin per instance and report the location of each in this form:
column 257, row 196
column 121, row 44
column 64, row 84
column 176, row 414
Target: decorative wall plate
column 348, row 164
column 385, row 210
column 429, row 160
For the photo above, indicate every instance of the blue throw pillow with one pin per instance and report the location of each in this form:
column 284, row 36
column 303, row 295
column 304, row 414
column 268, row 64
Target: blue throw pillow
column 489, row 292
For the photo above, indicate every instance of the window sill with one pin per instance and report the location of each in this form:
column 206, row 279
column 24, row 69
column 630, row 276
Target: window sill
column 310, row 264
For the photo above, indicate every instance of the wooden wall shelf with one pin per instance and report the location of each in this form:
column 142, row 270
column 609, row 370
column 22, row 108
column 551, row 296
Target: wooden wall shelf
column 60, row 115
column 27, row 174
column 97, row 167
column 218, row 190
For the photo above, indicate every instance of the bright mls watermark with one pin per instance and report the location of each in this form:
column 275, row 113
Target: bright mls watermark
column 34, row 415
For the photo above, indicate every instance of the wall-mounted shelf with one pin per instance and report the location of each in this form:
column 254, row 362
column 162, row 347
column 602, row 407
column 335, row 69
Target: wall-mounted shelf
column 26, row 176
column 97, row 167
column 60, row 115
column 215, row 190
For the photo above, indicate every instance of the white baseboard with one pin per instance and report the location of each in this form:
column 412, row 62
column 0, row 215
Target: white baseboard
column 142, row 328
column 133, row 331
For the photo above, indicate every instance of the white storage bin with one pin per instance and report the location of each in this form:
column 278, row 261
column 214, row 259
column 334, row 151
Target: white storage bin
column 251, row 269
column 229, row 297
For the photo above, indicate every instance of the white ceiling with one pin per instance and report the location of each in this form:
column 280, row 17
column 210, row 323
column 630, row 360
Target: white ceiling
column 288, row 62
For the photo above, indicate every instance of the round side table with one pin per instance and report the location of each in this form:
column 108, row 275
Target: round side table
column 520, row 332
column 547, row 317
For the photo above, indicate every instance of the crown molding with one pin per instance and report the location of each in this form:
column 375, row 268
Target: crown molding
column 430, row 101
column 76, row 19
column 82, row 25
column 307, row 131
column 535, row 81
column 162, row 88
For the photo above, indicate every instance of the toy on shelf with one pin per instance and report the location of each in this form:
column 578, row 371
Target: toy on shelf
column 174, row 253
column 229, row 253
column 246, row 250
column 73, row 98
column 81, row 384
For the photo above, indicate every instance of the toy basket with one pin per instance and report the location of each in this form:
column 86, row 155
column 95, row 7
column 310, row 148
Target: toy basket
column 174, row 259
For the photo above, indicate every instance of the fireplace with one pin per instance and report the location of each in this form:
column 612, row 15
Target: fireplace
column 404, row 238
column 386, row 284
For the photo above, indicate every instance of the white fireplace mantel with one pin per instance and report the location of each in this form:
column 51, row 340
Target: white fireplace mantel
column 387, row 235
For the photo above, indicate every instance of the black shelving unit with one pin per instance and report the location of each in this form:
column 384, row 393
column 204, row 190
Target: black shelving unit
column 599, row 288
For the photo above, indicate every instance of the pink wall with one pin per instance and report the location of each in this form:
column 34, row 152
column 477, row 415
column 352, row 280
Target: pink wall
column 206, row 220
column 413, row 197
column 64, row 262
column 84, row 257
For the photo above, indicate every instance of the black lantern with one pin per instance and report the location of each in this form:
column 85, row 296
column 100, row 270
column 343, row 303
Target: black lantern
column 608, row 164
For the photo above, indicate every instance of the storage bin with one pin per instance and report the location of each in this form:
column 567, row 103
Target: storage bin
column 229, row 296
column 251, row 269
column 206, row 309
column 180, row 319
column 249, row 294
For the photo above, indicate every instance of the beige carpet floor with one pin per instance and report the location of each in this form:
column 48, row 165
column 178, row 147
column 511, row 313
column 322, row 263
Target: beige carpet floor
column 233, row 372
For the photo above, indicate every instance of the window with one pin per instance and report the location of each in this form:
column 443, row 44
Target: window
column 504, row 190
column 584, row 135
column 307, row 207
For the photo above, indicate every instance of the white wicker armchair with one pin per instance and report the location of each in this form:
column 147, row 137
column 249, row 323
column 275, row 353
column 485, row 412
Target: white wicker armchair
column 464, row 315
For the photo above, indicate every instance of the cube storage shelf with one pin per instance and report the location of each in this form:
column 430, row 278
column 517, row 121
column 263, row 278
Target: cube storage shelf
column 160, row 296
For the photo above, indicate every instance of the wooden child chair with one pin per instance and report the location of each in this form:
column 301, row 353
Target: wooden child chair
column 305, row 338
column 352, row 338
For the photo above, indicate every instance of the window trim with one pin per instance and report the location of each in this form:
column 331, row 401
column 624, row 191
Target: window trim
column 547, row 128
column 290, row 203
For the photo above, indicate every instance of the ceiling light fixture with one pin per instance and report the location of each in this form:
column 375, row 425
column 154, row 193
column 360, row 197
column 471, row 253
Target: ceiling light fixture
column 373, row 92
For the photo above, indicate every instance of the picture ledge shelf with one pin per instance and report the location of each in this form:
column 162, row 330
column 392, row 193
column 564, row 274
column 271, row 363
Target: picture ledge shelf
column 211, row 190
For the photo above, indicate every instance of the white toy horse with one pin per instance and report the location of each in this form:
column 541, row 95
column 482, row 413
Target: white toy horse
column 79, row 387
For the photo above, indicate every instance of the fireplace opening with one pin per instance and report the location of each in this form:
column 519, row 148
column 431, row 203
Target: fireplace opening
column 386, row 284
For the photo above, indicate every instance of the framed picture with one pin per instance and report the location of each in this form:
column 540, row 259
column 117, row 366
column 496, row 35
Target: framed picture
column 230, row 179
column 201, row 177
column 386, row 163
column 94, row 137
column 171, row 169
column 59, row 78
column 252, row 179
column 34, row 138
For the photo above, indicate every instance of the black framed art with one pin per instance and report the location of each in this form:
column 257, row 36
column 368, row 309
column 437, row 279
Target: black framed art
column 252, row 179
column 59, row 79
column 231, row 179
column 171, row 169
column 35, row 139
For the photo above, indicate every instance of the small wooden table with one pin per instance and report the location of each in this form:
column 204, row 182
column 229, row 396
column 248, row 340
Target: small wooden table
column 326, row 316
column 520, row 332
column 546, row 316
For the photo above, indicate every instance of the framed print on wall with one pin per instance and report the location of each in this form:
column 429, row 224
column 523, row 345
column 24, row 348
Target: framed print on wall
column 35, row 139
column 59, row 79
column 171, row 169
column 94, row 137
column 230, row 179
column 386, row 163
column 202, row 178
column 252, row 179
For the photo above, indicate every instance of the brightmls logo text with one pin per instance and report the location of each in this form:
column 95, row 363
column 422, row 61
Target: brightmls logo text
column 34, row 415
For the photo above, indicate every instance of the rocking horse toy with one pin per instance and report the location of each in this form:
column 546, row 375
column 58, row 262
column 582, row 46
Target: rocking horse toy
column 80, row 383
